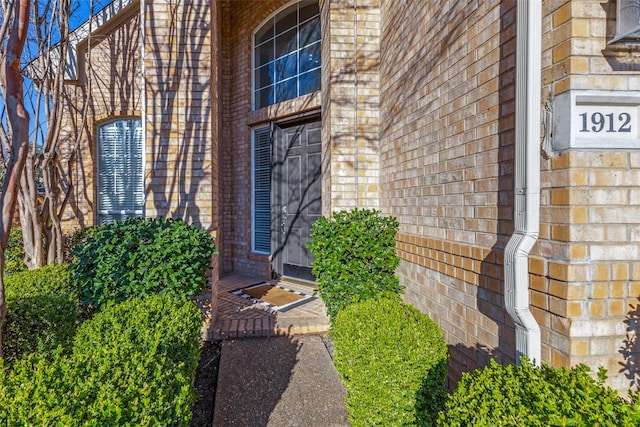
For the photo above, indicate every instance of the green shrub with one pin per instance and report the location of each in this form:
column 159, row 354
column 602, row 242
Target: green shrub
column 355, row 257
column 132, row 364
column 140, row 257
column 393, row 361
column 41, row 311
column 508, row 395
column 14, row 255
column 138, row 361
column 35, row 391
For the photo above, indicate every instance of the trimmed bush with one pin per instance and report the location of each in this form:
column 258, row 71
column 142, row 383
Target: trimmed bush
column 508, row 395
column 393, row 362
column 355, row 257
column 140, row 257
column 132, row 364
column 41, row 311
column 14, row 255
column 138, row 361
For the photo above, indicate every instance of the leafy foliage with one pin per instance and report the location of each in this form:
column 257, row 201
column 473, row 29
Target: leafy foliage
column 355, row 257
column 14, row 255
column 132, row 364
column 393, row 361
column 42, row 311
column 140, row 257
column 508, row 395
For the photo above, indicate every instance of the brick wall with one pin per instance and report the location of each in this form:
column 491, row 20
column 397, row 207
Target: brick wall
column 590, row 211
column 447, row 133
column 178, row 108
column 351, row 103
column 447, row 121
column 112, row 88
column 239, row 22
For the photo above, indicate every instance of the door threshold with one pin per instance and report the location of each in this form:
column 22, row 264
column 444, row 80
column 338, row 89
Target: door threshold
column 298, row 281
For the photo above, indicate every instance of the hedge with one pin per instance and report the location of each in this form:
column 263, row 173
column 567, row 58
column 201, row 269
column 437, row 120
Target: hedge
column 393, row 362
column 132, row 364
column 355, row 257
column 41, row 311
column 140, row 257
column 14, row 254
column 508, row 395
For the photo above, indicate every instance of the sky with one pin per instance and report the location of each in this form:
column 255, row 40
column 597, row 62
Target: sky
column 81, row 10
column 80, row 13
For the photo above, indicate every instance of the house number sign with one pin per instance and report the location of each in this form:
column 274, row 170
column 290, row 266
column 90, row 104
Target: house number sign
column 606, row 121
column 596, row 120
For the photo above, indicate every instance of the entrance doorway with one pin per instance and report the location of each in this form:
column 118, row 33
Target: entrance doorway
column 296, row 196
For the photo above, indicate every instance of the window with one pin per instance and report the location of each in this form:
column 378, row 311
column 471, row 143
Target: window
column 120, row 171
column 261, row 190
column 287, row 55
column 627, row 21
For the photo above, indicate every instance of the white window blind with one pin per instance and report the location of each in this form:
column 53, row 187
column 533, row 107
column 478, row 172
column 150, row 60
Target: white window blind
column 120, row 171
column 261, row 190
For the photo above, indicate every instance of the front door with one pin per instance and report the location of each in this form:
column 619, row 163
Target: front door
column 296, row 196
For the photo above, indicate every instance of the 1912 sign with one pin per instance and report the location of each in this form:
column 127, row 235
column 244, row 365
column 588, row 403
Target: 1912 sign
column 596, row 120
column 606, row 121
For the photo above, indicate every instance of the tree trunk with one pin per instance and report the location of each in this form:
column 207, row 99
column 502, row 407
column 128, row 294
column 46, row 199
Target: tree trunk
column 3, row 300
column 18, row 119
column 41, row 213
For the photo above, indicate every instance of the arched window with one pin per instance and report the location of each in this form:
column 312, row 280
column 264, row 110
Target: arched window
column 287, row 55
column 120, row 170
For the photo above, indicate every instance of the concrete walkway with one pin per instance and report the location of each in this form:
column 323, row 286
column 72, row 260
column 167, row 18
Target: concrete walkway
column 278, row 381
column 275, row 369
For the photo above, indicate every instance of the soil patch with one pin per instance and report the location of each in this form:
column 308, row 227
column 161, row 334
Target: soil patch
column 205, row 384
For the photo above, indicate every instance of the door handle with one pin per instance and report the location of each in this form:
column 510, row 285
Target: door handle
column 283, row 220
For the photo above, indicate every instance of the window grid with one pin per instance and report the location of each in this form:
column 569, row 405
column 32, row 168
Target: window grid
column 287, row 55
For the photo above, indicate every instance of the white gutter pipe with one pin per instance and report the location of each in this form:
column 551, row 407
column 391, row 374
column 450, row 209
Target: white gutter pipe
column 527, row 179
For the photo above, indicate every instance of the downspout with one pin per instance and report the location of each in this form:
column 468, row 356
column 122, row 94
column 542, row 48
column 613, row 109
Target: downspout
column 143, row 99
column 527, row 179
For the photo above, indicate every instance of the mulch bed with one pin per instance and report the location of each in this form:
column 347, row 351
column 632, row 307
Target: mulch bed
column 205, row 384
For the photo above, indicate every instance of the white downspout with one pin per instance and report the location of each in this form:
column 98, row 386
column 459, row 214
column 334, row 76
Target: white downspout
column 527, row 179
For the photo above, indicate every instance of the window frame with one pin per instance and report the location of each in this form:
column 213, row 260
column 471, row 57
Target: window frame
column 102, row 215
column 273, row 82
